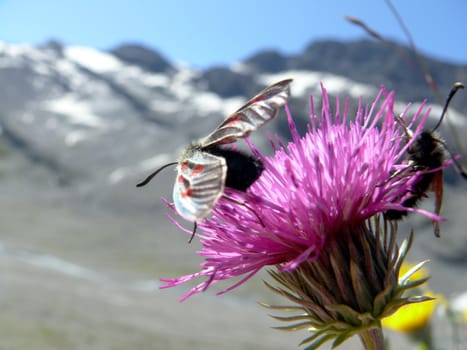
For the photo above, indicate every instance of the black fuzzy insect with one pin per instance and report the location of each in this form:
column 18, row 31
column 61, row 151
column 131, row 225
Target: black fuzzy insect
column 428, row 152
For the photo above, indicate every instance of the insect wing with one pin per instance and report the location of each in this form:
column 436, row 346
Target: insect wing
column 256, row 112
column 199, row 184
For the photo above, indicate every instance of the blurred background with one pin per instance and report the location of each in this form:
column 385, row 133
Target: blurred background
column 96, row 95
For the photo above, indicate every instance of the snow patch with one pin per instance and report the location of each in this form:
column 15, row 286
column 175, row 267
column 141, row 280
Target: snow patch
column 240, row 67
column 206, row 103
column 16, row 55
column 162, row 106
column 181, row 85
column 129, row 72
column 76, row 111
column 93, row 59
column 15, row 50
column 340, row 85
column 308, row 82
column 155, row 80
column 70, row 71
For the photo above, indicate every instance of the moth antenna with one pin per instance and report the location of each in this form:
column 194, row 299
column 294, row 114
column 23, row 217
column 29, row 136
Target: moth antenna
column 195, row 226
column 453, row 91
column 457, row 164
column 150, row 177
column 246, row 206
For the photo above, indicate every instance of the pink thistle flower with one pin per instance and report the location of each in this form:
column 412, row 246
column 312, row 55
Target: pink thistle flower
column 317, row 186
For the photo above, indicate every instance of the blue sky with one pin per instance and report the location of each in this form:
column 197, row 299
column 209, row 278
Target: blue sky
column 207, row 32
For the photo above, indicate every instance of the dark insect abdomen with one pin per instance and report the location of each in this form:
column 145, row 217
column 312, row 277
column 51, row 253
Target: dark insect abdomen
column 242, row 169
column 425, row 153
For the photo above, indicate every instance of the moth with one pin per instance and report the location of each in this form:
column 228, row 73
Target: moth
column 205, row 168
column 428, row 153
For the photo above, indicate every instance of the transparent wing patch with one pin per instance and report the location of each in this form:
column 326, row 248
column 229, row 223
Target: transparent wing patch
column 199, row 184
column 256, row 112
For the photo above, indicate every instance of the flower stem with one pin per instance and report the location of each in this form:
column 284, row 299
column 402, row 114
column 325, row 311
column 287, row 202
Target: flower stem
column 372, row 339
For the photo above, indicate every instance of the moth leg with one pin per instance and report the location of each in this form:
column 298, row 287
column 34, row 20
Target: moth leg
column 437, row 186
column 398, row 173
column 407, row 131
column 195, row 226
column 246, row 206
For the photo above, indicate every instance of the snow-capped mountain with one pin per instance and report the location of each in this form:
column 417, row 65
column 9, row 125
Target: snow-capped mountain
column 77, row 110
column 83, row 113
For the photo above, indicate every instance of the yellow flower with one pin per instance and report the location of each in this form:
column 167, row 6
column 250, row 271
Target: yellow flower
column 413, row 317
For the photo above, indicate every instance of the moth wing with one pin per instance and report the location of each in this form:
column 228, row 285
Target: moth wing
column 256, row 112
column 199, row 184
